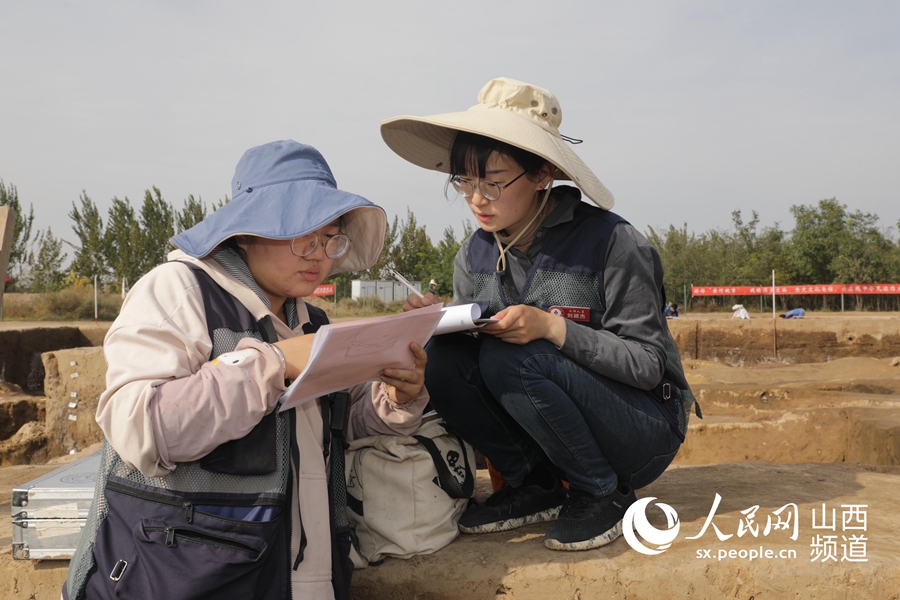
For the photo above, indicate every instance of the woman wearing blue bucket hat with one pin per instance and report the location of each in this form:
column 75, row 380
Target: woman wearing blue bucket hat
column 206, row 491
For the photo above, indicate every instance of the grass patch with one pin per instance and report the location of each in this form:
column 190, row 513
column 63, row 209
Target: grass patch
column 70, row 304
column 77, row 304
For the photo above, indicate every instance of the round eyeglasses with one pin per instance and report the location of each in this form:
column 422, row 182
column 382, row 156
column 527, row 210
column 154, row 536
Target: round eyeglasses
column 489, row 189
column 335, row 246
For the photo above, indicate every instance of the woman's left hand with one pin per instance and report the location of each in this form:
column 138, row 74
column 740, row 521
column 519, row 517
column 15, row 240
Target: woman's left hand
column 520, row 324
column 404, row 385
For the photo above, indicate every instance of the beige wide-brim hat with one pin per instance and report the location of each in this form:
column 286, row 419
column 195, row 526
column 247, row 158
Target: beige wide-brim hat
column 520, row 114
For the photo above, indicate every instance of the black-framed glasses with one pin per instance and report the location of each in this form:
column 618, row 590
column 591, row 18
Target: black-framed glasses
column 489, row 189
column 335, row 246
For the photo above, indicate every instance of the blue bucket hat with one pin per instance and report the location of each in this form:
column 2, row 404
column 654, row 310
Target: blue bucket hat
column 282, row 190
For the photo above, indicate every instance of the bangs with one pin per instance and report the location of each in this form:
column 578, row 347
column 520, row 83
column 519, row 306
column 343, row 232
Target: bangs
column 470, row 152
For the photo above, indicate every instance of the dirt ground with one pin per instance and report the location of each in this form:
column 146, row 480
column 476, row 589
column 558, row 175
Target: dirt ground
column 820, row 436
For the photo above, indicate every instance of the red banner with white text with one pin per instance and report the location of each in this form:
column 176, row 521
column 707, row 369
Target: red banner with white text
column 324, row 290
column 795, row 290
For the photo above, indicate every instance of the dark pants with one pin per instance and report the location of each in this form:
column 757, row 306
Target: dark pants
column 520, row 405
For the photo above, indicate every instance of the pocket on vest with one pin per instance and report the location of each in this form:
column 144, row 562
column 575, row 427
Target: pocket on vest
column 153, row 544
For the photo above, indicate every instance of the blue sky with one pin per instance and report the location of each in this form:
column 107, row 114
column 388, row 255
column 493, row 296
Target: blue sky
column 688, row 110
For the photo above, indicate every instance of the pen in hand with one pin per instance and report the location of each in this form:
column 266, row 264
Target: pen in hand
column 408, row 285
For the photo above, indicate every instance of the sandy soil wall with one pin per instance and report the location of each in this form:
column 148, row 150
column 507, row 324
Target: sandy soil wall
column 21, row 346
column 818, row 339
column 74, row 380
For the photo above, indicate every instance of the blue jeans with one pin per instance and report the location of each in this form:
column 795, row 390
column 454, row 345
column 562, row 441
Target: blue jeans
column 521, row 405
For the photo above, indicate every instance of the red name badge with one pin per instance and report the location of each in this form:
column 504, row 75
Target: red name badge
column 573, row 313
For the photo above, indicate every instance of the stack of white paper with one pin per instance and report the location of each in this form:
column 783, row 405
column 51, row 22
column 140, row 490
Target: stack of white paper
column 344, row 354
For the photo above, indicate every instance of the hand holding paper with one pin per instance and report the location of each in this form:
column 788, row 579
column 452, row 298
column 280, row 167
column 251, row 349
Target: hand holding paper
column 344, row 354
column 404, row 385
column 520, row 324
column 461, row 318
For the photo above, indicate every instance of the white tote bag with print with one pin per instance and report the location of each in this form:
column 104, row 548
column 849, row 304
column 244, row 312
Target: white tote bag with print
column 405, row 494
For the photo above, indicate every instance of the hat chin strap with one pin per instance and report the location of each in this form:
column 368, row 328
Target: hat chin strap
column 501, row 262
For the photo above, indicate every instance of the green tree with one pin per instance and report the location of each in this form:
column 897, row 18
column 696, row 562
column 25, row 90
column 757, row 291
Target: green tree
column 380, row 270
column 90, row 254
column 47, row 273
column 686, row 257
column 740, row 255
column 123, row 242
column 441, row 269
column 222, row 202
column 816, row 240
column 865, row 251
column 19, row 255
column 412, row 252
column 157, row 226
column 759, row 252
column 193, row 212
column 829, row 244
column 866, row 254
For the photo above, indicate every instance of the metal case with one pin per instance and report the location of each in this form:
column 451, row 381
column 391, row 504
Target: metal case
column 49, row 513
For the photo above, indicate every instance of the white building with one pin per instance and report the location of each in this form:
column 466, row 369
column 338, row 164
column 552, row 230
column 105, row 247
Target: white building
column 388, row 291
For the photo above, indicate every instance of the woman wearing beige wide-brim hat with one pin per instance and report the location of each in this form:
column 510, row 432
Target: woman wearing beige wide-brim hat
column 579, row 379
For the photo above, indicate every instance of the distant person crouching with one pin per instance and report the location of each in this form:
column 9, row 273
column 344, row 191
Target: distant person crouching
column 739, row 312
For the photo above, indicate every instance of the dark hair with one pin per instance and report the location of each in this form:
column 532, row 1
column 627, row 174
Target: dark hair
column 470, row 153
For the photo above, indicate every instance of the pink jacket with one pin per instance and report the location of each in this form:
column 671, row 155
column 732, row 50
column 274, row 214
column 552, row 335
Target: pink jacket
column 158, row 354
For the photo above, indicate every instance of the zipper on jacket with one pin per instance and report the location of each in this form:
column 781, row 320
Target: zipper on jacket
column 195, row 535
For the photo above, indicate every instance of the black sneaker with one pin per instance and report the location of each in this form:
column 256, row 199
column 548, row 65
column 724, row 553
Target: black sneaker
column 512, row 507
column 587, row 521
